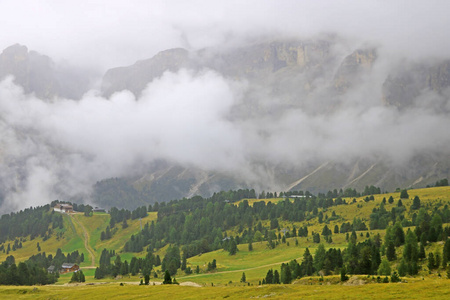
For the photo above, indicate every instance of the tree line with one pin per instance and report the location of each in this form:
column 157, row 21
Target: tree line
column 35, row 269
column 33, row 222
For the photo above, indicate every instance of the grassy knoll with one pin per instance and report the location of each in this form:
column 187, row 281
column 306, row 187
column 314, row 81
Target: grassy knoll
column 426, row 289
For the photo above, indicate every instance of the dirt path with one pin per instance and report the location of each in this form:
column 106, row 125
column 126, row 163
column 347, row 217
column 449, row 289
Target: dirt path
column 86, row 243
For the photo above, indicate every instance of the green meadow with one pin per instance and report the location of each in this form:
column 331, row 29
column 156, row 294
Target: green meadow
column 224, row 282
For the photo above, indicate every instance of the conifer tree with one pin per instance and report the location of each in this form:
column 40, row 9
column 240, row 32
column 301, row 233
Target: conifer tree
column 243, row 279
column 167, row 278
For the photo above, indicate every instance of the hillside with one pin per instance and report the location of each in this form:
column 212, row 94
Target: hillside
column 81, row 233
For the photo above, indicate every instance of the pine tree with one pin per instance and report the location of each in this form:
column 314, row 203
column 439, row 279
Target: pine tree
column 307, row 263
column 232, row 248
column 344, row 276
column 167, row 278
column 416, row 203
column 75, row 277
column 269, row 277
column 82, row 278
column 404, row 194
column 98, row 273
column 243, row 279
column 276, row 277
column 446, row 253
column 431, row 262
column 384, row 268
column 410, row 250
column 319, row 258
column 421, row 253
column 285, row 273
column 390, row 251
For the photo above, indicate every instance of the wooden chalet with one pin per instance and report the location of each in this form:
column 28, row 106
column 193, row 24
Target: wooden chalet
column 68, row 267
column 64, row 208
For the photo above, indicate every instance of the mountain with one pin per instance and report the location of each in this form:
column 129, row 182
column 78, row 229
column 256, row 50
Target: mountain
column 287, row 78
column 38, row 74
column 134, row 78
column 284, row 75
column 408, row 82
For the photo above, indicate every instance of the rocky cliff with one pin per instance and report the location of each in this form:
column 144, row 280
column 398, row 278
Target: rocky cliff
column 38, row 74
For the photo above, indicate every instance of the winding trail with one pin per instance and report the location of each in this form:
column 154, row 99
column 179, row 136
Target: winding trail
column 86, row 242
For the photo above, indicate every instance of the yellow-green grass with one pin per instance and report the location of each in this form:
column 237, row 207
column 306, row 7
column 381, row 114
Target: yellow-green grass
column 254, row 263
column 69, row 239
column 123, row 235
column 72, row 238
column 426, row 289
column 251, row 201
column 98, row 223
column 362, row 209
column 89, row 274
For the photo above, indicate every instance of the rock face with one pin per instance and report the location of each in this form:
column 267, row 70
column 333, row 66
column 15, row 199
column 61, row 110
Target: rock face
column 32, row 71
column 351, row 69
column 256, row 62
column 403, row 86
column 263, row 59
column 135, row 78
column 38, row 74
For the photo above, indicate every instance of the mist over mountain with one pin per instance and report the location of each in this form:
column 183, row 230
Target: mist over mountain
column 244, row 107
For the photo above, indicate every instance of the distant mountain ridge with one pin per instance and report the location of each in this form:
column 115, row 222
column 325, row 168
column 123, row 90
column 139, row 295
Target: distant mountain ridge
column 292, row 74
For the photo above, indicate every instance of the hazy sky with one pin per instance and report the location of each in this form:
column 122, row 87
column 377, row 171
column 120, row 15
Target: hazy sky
column 111, row 33
column 49, row 149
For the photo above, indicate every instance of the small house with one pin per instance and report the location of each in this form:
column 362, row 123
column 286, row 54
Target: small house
column 68, row 267
column 51, row 269
column 63, row 208
column 98, row 209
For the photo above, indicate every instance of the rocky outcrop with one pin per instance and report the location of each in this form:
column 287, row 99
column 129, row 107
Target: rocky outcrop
column 38, row 74
column 255, row 62
column 352, row 67
column 263, row 59
column 32, row 71
column 403, row 86
column 136, row 77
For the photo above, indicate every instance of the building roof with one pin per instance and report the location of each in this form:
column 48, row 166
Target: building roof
column 67, row 265
column 51, row 269
column 63, row 205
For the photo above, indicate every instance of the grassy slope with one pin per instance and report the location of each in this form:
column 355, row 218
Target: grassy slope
column 255, row 264
column 426, row 289
column 73, row 238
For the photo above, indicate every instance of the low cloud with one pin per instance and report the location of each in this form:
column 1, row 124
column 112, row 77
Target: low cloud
column 59, row 148
column 109, row 34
